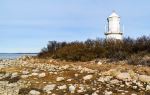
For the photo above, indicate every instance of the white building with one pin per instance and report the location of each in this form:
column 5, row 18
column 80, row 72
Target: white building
column 114, row 30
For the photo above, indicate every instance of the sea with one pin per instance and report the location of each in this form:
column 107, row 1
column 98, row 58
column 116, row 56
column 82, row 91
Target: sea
column 15, row 55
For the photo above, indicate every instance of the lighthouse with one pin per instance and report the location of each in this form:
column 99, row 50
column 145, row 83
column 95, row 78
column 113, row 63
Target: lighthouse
column 113, row 29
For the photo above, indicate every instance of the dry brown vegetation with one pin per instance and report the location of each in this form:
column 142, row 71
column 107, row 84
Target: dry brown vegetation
column 95, row 49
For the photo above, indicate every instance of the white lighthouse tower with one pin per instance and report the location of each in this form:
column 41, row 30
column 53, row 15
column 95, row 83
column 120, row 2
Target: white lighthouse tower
column 114, row 30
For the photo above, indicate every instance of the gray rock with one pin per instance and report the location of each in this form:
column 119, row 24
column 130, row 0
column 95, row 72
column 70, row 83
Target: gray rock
column 115, row 81
column 76, row 75
column 123, row 76
column 69, row 80
column 87, row 77
column 34, row 74
column 34, row 92
column 99, row 63
column 139, row 84
column 50, row 87
column 24, row 76
column 25, row 72
column 14, row 75
column 41, row 75
column 35, row 70
column 148, row 87
column 62, row 87
column 72, row 88
column 104, row 79
column 134, row 87
column 133, row 94
column 60, row 79
column 81, row 89
column 94, row 93
column 108, row 93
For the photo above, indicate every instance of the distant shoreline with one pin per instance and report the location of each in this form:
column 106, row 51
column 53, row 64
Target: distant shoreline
column 15, row 55
column 18, row 53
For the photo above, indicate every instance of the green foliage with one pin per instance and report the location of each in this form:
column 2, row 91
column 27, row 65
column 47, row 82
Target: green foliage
column 99, row 48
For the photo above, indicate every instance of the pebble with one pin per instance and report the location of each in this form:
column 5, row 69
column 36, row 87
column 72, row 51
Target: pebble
column 62, row 87
column 60, row 79
column 34, row 74
column 24, row 76
column 115, row 81
column 41, row 75
column 122, row 85
column 108, row 93
column 133, row 94
column 69, row 80
column 104, row 79
column 88, row 77
column 94, row 93
column 76, row 75
column 35, row 70
column 34, row 92
column 72, row 89
column 25, row 72
column 14, row 75
column 148, row 87
column 99, row 63
column 50, row 87
column 81, row 89
column 123, row 76
column 134, row 87
column 139, row 84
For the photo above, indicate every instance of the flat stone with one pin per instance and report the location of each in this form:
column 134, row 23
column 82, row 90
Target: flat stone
column 108, row 93
column 62, row 87
column 41, row 75
column 133, row 94
column 72, row 88
column 76, row 75
column 50, row 87
column 69, row 80
column 123, row 76
column 88, row 77
column 14, row 75
column 94, row 93
column 25, row 72
column 60, row 79
column 99, row 63
column 115, row 81
column 148, row 87
column 34, row 92
column 24, row 76
column 34, row 74
column 134, row 87
column 104, row 79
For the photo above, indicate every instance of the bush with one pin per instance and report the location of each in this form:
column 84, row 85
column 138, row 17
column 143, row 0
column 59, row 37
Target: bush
column 139, row 59
column 93, row 49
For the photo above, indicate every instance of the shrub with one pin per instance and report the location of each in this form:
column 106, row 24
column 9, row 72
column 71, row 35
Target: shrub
column 141, row 58
column 93, row 49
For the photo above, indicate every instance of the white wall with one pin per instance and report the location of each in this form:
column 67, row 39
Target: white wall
column 114, row 24
column 114, row 36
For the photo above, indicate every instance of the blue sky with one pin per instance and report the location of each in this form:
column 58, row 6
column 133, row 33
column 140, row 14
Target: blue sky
column 27, row 25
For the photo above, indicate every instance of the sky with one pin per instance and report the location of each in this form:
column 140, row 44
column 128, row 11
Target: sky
column 28, row 25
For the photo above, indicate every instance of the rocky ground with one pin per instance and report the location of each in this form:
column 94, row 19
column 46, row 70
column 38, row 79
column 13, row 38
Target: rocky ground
column 31, row 76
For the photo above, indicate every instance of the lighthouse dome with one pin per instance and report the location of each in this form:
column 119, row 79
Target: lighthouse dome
column 114, row 14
